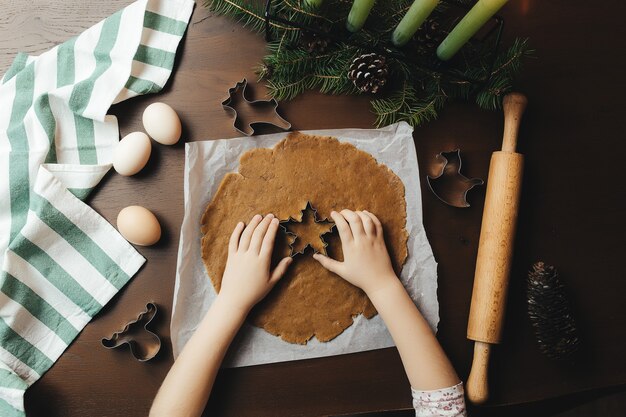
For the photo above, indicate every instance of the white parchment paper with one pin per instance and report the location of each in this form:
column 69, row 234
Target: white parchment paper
column 207, row 162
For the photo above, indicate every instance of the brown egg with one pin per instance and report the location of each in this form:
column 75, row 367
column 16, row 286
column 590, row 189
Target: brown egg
column 139, row 226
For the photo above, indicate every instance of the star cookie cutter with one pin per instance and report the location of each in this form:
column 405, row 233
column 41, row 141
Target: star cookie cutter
column 143, row 343
column 248, row 113
column 291, row 220
column 451, row 186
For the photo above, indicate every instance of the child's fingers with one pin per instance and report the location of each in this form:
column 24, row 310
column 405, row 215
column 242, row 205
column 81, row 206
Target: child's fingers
column 377, row 223
column 234, row 238
column 280, row 270
column 328, row 263
column 268, row 241
column 244, row 242
column 356, row 226
column 345, row 234
column 368, row 224
column 259, row 233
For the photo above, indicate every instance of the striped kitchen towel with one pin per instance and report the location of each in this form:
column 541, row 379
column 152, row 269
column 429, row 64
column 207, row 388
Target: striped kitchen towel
column 60, row 260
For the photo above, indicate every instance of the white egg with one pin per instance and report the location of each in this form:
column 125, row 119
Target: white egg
column 132, row 153
column 162, row 123
column 139, row 226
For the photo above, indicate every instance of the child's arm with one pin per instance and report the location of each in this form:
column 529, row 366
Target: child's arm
column 367, row 265
column 247, row 279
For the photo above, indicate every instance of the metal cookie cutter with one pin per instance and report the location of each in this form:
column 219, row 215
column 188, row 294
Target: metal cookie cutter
column 309, row 210
column 144, row 344
column 248, row 113
column 451, row 186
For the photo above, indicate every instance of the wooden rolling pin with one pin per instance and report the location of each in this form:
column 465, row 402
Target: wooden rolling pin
column 495, row 249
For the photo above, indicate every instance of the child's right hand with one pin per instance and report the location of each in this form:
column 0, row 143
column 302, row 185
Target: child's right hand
column 247, row 277
column 366, row 261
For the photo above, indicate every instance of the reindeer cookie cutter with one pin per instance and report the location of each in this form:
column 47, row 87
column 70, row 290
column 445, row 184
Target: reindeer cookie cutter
column 248, row 113
column 143, row 343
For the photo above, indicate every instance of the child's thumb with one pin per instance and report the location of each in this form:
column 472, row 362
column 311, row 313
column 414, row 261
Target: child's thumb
column 328, row 263
column 280, row 269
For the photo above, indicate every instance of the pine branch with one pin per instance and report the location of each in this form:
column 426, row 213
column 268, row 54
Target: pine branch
column 295, row 62
column 425, row 110
column 248, row 13
column 306, row 12
column 490, row 98
column 286, row 91
column 506, row 68
column 406, row 105
column 510, row 62
column 388, row 109
column 416, row 91
column 328, row 79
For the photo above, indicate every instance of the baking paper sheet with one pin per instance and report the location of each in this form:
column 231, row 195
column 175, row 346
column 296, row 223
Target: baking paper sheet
column 207, row 162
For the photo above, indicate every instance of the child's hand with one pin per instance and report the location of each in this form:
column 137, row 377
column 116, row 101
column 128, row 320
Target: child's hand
column 247, row 277
column 366, row 261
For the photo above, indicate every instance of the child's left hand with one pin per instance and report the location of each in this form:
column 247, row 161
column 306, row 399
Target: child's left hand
column 247, row 277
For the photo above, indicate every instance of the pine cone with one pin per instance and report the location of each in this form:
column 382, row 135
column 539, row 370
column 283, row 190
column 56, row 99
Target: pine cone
column 369, row 72
column 550, row 314
column 428, row 36
column 315, row 42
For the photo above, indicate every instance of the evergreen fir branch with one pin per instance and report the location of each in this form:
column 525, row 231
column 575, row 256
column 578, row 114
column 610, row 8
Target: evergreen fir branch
column 286, row 91
column 334, row 84
column 506, row 67
column 325, row 83
column 304, row 10
column 460, row 89
column 388, row 109
column 510, row 62
column 424, row 111
column 327, row 73
column 416, row 92
column 406, row 105
column 490, row 98
column 250, row 14
column 293, row 63
column 281, row 44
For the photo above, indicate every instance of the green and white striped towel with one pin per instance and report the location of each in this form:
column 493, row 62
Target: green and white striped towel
column 61, row 261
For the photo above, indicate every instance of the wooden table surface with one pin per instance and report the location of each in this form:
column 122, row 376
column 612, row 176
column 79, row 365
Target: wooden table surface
column 572, row 216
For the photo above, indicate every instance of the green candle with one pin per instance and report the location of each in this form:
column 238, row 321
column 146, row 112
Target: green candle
column 412, row 20
column 314, row 4
column 358, row 14
column 467, row 27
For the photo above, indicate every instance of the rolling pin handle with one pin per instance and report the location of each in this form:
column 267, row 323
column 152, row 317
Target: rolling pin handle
column 476, row 387
column 514, row 105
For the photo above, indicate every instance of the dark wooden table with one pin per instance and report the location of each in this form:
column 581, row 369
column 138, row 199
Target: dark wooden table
column 572, row 215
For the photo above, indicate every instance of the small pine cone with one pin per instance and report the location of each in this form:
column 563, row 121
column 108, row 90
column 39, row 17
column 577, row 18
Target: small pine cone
column 369, row 72
column 550, row 314
column 314, row 42
column 429, row 36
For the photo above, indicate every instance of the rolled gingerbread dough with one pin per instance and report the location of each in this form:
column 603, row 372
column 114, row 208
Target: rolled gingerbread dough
column 309, row 300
